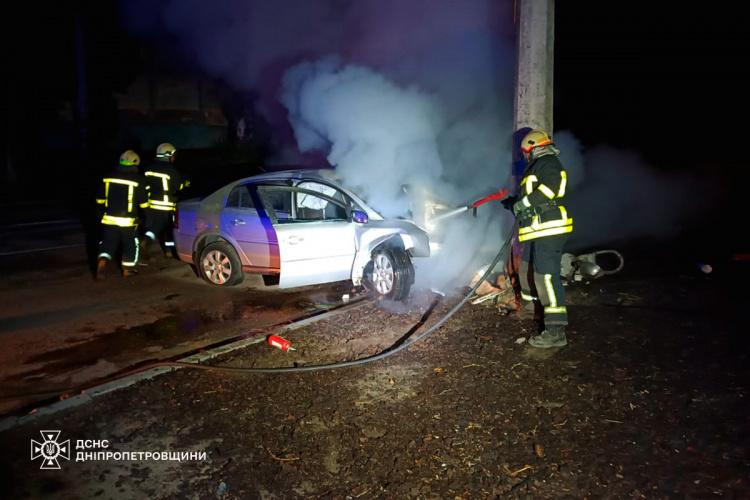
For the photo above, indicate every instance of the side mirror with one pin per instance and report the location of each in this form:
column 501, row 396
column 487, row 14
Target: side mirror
column 360, row 217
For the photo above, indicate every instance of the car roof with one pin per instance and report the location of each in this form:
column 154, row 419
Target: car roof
column 296, row 174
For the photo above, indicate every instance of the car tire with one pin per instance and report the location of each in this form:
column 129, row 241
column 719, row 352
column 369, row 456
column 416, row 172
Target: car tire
column 220, row 265
column 389, row 274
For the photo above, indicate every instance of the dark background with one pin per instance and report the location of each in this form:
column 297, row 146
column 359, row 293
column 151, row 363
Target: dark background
column 666, row 79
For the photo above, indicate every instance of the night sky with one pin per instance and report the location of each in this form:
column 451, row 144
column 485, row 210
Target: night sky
column 663, row 78
column 666, row 78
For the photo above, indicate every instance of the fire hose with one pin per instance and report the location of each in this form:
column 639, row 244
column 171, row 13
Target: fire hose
column 396, row 347
column 384, row 354
column 400, row 345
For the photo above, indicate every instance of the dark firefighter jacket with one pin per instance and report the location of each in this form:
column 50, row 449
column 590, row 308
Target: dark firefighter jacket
column 122, row 193
column 163, row 183
column 543, row 191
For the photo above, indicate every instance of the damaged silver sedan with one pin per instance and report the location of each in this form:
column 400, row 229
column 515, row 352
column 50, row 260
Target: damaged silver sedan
column 297, row 228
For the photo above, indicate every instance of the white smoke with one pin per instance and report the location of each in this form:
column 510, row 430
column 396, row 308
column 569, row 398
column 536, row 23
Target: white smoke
column 377, row 135
column 616, row 197
column 420, row 94
column 380, row 136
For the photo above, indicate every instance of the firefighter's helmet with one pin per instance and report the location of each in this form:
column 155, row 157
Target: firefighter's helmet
column 165, row 150
column 534, row 139
column 130, row 157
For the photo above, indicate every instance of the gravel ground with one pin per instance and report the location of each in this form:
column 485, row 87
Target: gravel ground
column 648, row 400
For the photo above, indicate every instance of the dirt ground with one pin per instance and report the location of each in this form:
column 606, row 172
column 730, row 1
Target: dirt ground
column 648, row 400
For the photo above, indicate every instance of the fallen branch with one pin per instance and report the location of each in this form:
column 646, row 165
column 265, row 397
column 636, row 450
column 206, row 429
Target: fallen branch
column 281, row 459
column 513, row 474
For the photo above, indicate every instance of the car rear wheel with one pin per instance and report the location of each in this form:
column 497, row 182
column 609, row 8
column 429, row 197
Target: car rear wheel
column 389, row 274
column 220, row 265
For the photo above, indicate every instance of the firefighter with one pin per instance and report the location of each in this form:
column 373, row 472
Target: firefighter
column 122, row 194
column 543, row 227
column 164, row 182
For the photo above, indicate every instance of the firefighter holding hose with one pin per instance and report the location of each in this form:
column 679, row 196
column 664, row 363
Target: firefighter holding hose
column 543, row 227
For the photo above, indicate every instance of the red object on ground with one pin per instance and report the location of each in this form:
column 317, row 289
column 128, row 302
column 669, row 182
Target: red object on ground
column 495, row 196
column 278, row 342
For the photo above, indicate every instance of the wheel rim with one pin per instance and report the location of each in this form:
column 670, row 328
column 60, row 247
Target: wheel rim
column 217, row 267
column 382, row 274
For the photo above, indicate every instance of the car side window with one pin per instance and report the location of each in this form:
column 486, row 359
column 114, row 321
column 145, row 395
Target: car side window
column 279, row 200
column 312, row 207
column 299, row 204
column 240, row 197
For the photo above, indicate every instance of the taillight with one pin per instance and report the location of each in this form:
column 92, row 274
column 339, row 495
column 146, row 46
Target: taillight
column 176, row 219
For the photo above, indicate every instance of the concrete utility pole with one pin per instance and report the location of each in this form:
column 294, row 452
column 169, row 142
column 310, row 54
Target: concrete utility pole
column 535, row 42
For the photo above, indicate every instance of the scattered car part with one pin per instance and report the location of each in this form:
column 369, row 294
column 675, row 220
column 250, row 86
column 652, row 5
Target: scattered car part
column 585, row 266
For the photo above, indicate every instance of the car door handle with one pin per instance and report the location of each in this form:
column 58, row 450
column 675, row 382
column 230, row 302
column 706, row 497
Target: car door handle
column 293, row 240
column 238, row 222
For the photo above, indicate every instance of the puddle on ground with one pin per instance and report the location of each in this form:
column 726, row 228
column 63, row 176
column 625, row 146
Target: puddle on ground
column 180, row 328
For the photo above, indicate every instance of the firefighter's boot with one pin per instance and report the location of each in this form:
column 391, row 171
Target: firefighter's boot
column 129, row 271
column 531, row 311
column 145, row 244
column 552, row 336
column 101, row 270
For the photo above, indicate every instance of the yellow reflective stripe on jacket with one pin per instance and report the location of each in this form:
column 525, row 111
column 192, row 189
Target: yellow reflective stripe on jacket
column 563, row 182
column 546, row 232
column 547, row 191
column 111, row 220
column 122, row 181
column 526, row 202
column 131, row 188
column 101, row 201
column 165, row 203
column 536, row 226
column 164, row 179
column 529, row 181
column 161, row 205
column 527, row 297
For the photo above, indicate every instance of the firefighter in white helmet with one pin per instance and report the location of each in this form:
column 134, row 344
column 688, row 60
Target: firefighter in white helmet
column 164, row 182
column 122, row 194
column 543, row 227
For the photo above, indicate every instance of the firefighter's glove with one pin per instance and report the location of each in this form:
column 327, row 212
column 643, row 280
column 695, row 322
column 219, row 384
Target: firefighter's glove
column 519, row 208
column 509, row 201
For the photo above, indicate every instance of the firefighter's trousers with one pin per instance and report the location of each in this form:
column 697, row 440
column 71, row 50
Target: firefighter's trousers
column 159, row 226
column 539, row 274
column 116, row 237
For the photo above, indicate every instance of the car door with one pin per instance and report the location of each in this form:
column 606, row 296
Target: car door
column 251, row 232
column 315, row 239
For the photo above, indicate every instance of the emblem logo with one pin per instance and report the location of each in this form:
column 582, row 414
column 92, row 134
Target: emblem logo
column 49, row 449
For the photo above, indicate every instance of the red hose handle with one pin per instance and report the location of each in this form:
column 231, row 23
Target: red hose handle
column 494, row 196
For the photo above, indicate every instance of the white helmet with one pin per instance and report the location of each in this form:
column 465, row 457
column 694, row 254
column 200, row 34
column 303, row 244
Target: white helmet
column 165, row 150
column 130, row 157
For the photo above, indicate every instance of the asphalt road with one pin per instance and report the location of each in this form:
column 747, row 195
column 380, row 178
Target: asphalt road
column 61, row 330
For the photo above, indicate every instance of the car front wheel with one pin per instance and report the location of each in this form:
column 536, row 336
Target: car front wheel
column 220, row 265
column 389, row 274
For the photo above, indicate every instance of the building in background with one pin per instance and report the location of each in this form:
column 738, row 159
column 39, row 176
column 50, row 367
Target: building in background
column 156, row 108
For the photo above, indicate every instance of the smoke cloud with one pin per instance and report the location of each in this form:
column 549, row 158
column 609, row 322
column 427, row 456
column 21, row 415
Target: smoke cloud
column 615, row 196
column 396, row 93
